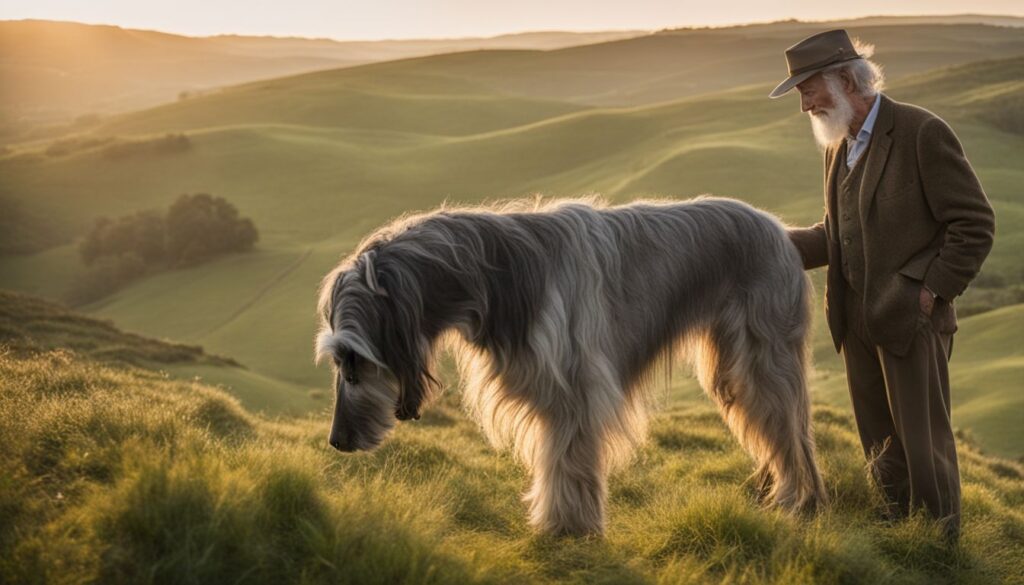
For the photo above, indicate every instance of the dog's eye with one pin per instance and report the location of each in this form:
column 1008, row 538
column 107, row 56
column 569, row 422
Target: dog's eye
column 349, row 363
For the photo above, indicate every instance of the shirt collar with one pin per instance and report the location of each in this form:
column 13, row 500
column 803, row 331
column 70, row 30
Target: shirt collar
column 869, row 122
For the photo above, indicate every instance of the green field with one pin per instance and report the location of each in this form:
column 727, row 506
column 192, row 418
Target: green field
column 319, row 160
column 115, row 473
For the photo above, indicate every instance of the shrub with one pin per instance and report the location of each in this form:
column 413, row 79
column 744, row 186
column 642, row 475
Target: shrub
column 115, row 148
column 140, row 234
column 66, row 146
column 166, row 144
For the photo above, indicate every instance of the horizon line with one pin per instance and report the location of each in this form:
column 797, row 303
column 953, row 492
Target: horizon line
column 794, row 20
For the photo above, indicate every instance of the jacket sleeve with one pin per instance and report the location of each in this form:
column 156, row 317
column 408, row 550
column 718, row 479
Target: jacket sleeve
column 957, row 200
column 811, row 243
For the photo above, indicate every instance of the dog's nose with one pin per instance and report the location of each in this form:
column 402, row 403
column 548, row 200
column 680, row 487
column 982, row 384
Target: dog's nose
column 337, row 441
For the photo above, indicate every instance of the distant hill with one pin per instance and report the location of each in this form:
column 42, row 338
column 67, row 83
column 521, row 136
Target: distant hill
column 55, row 71
column 989, row 19
column 635, row 71
column 52, row 72
column 677, row 63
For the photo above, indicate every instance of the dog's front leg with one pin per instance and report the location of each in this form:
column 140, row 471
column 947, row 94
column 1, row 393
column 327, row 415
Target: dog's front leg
column 569, row 479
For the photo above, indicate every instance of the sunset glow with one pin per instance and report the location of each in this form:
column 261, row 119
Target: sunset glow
column 392, row 19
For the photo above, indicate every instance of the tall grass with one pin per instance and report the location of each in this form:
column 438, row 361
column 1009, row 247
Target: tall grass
column 119, row 475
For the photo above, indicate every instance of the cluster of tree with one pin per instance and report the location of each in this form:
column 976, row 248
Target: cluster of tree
column 66, row 146
column 194, row 229
column 115, row 148
column 166, row 144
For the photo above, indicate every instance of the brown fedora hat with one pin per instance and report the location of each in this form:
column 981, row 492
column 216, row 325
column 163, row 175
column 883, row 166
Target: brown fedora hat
column 813, row 54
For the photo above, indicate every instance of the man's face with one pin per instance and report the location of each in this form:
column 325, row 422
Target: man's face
column 815, row 96
column 828, row 106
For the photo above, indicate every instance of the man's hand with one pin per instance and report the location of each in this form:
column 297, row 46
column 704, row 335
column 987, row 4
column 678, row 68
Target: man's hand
column 927, row 301
column 812, row 245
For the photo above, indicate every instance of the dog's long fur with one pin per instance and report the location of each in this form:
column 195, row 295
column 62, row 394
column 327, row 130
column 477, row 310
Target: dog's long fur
column 560, row 311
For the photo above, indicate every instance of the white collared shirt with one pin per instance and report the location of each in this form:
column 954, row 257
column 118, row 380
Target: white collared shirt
column 856, row 146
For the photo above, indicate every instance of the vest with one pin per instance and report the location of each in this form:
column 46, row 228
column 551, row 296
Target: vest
column 847, row 187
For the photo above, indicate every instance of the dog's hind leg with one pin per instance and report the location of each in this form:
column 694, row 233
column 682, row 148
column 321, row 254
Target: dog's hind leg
column 757, row 377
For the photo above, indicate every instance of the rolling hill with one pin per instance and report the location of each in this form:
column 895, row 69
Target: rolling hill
column 318, row 160
column 53, row 72
column 56, row 70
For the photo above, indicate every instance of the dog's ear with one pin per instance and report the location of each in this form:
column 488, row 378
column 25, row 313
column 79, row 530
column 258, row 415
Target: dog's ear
column 326, row 344
column 370, row 273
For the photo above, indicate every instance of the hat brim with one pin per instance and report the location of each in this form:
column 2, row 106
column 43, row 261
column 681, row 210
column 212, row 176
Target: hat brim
column 784, row 87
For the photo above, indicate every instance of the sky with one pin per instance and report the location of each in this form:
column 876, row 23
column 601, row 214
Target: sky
column 396, row 19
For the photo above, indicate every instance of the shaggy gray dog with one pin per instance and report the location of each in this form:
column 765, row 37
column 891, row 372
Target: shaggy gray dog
column 557, row 313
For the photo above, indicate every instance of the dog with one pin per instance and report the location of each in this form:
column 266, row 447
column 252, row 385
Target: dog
column 557, row 312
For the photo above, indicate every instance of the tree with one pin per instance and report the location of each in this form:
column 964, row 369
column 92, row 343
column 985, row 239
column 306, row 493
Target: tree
column 141, row 234
column 201, row 226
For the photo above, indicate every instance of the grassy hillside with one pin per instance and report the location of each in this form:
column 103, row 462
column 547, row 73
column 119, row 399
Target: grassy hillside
column 30, row 325
column 120, row 475
column 319, row 160
column 988, row 370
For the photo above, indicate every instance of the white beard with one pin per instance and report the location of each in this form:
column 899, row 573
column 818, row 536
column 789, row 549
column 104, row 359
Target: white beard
column 832, row 125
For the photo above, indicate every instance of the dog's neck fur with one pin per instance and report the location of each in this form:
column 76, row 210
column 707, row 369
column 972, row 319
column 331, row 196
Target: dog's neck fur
column 472, row 299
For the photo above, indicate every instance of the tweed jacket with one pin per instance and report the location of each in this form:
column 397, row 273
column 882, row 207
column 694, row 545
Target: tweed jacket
column 925, row 221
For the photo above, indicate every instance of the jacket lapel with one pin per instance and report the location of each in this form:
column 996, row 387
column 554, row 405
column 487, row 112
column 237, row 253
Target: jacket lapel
column 832, row 173
column 878, row 154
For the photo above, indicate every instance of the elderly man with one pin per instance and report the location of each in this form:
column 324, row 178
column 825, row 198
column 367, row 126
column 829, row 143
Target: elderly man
column 906, row 228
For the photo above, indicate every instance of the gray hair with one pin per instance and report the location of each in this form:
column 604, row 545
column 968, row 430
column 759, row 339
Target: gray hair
column 867, row 75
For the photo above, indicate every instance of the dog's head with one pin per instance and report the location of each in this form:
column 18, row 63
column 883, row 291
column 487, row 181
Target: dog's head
column 372, row 332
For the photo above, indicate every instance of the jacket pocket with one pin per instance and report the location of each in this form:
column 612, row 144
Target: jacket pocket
column 892, row 190
column 917, row 267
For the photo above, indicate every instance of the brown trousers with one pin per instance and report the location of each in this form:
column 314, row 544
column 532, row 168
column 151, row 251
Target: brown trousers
column 902, row 409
